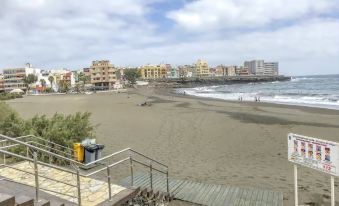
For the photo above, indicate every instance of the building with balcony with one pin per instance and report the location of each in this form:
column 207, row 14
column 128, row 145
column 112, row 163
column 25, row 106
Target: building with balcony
column 255, row 66
column 202, row 69
column 271, row 68
column 187, row 71
column 153, row 71
column 242, row 71
column 2, row 83
column 222, row 70
column 14, row 77
column 103, row 74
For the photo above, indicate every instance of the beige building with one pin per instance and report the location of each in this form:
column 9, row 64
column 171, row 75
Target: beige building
column 202, row 69
column 2, row 83
column 103, row 74
column 222, row 70
column 242, row 71
column 153, row 71
column 14, row 77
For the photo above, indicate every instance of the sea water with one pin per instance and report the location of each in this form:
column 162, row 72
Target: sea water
column 314, row 91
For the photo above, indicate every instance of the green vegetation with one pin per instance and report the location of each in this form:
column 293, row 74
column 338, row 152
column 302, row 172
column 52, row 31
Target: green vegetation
column 51, row 80
column 63, row 86
column 30, row 79
column 61, row 129
column 8, row 96
column 132, row 75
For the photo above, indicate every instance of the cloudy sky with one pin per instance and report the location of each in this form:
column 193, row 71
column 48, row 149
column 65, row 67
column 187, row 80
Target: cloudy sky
column 302, row 35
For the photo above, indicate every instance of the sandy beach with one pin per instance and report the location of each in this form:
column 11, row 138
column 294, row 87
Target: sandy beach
column 232, row 143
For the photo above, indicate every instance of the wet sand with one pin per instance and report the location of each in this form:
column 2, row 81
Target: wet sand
column 233, row 143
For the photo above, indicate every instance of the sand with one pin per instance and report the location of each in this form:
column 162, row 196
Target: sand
column 231, row 143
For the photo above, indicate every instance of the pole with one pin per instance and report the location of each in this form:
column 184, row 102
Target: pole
column 167, row 182
column 78, row 187
column 295, row 185
column 332, row 191
column 109, row 183
column 36, row 175
column 132, row 176
column 150, row 174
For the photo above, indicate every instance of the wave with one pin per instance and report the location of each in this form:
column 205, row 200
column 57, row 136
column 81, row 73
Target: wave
column 323, row 101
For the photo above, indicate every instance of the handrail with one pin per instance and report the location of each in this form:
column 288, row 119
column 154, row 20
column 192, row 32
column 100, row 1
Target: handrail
column 37, row 148
column 39, row 138
column 104, row 161
column 79, row 163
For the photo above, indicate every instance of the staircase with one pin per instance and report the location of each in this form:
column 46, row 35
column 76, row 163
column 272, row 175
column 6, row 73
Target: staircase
column 9, row 200
column 50, row 168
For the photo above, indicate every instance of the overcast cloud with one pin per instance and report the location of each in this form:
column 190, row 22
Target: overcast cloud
column 302, row 35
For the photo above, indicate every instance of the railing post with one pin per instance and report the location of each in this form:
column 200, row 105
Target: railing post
column 150, row 174
column 132, row 175
column 78, row 187
column 109, row 183
column 27, row 151
column 167, row 181
column 4, row 156
column 36, row 175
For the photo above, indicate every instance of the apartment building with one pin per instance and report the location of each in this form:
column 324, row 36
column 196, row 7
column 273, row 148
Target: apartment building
column 186, row 71
column 2, row 83
column 222, row 70
column 202, row 69
column 14, row 77
column 271, row 68
column 153, row 71
column 255, row 66
column 103, row 74
column 242, row 71
column 230, row 71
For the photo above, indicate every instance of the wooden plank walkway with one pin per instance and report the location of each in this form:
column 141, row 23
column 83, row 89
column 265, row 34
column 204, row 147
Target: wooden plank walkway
column 208, row 194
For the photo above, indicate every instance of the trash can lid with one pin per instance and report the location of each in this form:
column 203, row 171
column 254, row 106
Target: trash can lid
column 100, row 146
column 91, row 147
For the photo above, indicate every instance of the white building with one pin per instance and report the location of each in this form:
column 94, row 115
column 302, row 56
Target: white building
column 271, row 68
column 259, row 67
column 14, row 77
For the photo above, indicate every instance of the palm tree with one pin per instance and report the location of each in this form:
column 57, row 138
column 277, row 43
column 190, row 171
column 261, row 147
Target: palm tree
column 51, row 80
column 29, row 79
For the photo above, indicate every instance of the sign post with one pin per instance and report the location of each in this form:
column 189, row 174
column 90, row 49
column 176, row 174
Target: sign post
column 318, row 154
column 295, row 185
column 332, row 191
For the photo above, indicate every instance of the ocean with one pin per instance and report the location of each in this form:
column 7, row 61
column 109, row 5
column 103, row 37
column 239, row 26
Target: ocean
column 313, row 91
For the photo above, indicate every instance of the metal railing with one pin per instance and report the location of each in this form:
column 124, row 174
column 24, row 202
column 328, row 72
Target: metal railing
column 42, row 147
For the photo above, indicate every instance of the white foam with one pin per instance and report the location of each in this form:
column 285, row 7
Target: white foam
column 312, row 101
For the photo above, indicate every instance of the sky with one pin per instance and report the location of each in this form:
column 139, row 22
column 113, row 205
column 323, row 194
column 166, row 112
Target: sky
column 302, row 35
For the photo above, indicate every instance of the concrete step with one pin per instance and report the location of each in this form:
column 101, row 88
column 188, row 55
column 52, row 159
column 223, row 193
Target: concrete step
column 24, row 201
column 42, row 203
column 7, row 200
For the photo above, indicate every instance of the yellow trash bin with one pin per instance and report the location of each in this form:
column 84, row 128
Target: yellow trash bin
column 78, row 152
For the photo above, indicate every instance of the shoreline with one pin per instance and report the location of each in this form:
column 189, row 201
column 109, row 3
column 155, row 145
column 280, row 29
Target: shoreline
column 171, row 92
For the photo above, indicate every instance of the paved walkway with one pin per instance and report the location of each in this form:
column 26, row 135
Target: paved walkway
column 209, row 194
column 93, row 191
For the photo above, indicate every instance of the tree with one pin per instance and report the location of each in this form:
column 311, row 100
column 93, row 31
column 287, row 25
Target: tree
column 132, row 75
column 83, row 78
column 63, row 86
column 29, row 79
column 51, row 80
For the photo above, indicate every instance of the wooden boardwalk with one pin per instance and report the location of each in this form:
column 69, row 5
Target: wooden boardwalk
column 209, row 194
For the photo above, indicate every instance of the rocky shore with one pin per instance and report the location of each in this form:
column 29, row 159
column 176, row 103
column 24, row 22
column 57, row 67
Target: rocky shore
column 196, row 82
